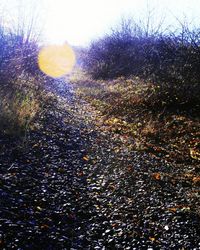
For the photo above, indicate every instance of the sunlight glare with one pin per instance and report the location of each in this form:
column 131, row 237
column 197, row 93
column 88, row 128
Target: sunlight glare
column 56, row 60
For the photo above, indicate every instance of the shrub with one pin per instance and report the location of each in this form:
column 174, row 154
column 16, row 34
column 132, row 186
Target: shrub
column 170, row 60
column 130, row 51
column 19, row 74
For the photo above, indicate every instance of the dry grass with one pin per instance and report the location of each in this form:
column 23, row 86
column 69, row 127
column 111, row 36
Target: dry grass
column 20, row 102
column 137, row 108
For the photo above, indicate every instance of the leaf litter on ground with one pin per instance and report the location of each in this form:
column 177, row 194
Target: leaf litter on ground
column 79, row 185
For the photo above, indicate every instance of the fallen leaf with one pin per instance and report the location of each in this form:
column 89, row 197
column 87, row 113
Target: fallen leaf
column 156, row 176
column 196, row 180
column 195, row 154
column 86, row 158
column 44, row 226
column 172, row 209
column 185, row 209
column 130, row 169
column 152, row 238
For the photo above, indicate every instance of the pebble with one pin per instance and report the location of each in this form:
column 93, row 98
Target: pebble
column 53, row 199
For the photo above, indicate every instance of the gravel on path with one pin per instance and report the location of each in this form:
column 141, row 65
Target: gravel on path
column 79, row 186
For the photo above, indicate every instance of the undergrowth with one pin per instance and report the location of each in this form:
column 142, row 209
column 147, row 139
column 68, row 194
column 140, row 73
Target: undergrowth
column 146, row 83
column 131, row 107
column 21, row 83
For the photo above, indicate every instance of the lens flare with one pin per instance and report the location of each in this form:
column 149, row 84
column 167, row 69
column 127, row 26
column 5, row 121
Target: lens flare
column 56, row 60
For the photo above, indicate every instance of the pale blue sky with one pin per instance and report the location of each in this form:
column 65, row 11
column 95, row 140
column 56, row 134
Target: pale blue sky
column 79, row 21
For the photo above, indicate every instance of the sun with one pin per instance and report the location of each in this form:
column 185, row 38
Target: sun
column 56, row 60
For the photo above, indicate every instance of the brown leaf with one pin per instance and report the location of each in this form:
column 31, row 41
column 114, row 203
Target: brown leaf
column 156, row 176
column 196, row 180
column 172, row 209
column 130, row 168
column 86, row 158
column 44, row 226
column 195, row 154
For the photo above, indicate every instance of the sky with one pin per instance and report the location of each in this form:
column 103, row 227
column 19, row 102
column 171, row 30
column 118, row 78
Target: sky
column 80, row 21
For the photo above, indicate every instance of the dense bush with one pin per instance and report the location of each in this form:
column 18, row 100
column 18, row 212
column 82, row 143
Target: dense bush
column 156, row 56
column 171, row 60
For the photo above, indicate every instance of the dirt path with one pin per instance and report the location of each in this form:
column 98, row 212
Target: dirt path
column 78, row 186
